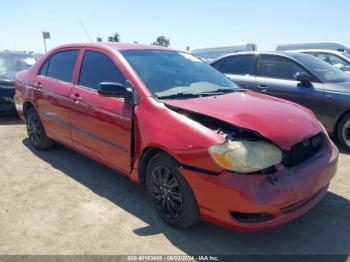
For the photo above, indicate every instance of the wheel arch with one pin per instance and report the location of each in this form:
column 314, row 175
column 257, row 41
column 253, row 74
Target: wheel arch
column 337, row 123
column 147, row 154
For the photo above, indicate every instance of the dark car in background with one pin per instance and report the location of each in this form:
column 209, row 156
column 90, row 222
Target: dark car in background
column 10, row 64
column 297, row 77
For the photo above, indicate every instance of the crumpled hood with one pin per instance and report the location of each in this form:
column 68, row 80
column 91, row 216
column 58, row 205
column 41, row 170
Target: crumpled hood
column 283, row 122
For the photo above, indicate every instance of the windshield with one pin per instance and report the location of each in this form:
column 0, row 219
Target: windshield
column 168, row 73
column 324, row 71
column 10, row 62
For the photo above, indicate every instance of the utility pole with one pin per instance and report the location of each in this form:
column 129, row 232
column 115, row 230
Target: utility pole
column 46, row 35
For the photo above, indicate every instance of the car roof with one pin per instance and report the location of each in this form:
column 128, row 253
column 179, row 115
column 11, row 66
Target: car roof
column 279, row 53
column 316, row 50
column 115, row 46
column 221, row 47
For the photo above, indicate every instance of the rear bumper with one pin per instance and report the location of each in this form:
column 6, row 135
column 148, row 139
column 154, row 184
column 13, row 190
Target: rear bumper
column 283, row 196
column 7, row 105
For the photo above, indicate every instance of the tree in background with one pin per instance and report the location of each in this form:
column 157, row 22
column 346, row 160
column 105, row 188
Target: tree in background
column 162, row 41
column 114, row 38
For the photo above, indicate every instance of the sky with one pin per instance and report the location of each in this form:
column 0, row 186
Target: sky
column 192, row 23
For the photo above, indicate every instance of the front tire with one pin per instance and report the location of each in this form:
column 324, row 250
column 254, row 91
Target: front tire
column 170, row 194
column 36, row 131
column 344, row 132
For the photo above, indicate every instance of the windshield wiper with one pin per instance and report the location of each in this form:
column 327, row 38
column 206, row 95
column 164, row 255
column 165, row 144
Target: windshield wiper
column 179, row 95
column 220, row 91
column 223, row 91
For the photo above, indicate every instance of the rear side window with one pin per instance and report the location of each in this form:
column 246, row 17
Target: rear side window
column 98, row 67
column 279, row 67
column 44, row 67
column 62, row 64
column 239, row 65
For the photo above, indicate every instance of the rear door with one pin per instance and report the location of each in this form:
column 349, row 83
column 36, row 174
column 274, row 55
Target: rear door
column 239, row 68
column 52, row 90
column 101, row 126
column 276, row 77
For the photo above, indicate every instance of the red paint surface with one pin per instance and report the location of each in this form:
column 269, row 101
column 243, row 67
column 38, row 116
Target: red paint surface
column 157, row 126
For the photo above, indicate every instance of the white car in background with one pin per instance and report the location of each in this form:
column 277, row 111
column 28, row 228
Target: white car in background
column 324, row 46
column 337, row 59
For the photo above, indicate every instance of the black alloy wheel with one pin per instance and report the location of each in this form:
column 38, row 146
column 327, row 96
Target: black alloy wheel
column 36, row 131
column 170, row 194
column 167, row 195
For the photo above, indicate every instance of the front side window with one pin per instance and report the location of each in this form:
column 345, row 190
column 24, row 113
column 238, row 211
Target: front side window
column 168, row 73
column 333, row 60
column 239, row 65
column 279, row 67
column 98, row 67
column 61, row 65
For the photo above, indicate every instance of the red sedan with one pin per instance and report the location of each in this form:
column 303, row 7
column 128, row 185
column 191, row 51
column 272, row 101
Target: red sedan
column 204, row 148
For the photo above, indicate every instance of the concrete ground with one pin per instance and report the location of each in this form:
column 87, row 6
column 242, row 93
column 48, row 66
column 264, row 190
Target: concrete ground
column 59, row 202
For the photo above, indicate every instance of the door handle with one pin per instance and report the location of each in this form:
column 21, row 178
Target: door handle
column 262, row 88
column 76, row 98
column 38, row 86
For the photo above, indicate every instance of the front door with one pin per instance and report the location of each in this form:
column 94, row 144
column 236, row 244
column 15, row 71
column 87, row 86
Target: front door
column 101, row 126
column 276, row 78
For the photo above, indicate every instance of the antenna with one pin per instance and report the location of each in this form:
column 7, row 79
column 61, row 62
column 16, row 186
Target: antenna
column 86, row 32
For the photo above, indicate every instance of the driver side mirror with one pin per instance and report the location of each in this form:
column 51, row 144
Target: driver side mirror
column 114, row 89
column 303, row 78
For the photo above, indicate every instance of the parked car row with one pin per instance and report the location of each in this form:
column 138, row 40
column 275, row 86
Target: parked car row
column 335, row 54
column 204, row 148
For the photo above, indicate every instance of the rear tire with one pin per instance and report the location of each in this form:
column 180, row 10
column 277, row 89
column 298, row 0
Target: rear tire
column 170, row 194
column 36, row 131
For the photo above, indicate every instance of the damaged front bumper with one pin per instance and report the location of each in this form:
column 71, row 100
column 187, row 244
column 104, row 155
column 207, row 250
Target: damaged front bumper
column 264, row 201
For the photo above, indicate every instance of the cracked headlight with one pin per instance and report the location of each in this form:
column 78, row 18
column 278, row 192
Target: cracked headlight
column 245, row 156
